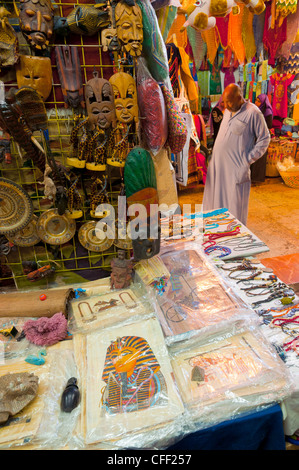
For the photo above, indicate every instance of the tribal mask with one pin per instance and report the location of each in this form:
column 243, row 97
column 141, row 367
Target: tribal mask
column 100, row 103
column 110, row 40
column 36, row 18
column 69, row 71
column 128, row 20
column 36, row 73
column 8, row 41
column 125, row 97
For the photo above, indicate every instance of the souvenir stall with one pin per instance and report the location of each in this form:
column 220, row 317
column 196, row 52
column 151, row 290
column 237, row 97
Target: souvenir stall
column 118, row 326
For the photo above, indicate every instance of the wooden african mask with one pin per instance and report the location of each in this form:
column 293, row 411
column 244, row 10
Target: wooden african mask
column 8, row 40
column 35, row 72
column 36, row 19
column 109, row 40
column 99, row 102
column 125, row 97
column 128, row 21
column 69, row 71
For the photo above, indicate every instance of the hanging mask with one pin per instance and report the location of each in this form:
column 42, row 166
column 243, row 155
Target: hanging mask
column 128, row 20
column 87, row 20
column 36, row 19
column 8, row 41
column 69, row 71
column 36, row 73
column 125, row 97
column 109, row 40
column 100, row 103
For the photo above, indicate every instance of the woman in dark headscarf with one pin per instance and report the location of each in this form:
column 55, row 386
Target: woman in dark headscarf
column 258, row 168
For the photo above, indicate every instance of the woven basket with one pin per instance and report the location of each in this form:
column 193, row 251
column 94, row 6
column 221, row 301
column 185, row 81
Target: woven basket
column 290, row 177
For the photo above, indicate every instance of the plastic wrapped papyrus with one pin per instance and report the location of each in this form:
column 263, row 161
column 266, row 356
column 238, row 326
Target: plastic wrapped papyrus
column 91, row 310
column 128, row 385
column 220, row 375
column 195, row 297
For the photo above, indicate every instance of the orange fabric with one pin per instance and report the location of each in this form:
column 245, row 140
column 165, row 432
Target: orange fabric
column 181, row 37
column 211, row 38
column 235, row 41
column 285, row 267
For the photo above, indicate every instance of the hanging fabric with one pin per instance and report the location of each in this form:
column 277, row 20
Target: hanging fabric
column 258, row 31
column 199, row 47
column 212, row 41
column 292, row 29
column 166, row 16
column 222, row 29
column 273, row 37
column 284, row 8
column 248, row 35
column 175, row 30
column 235, row 41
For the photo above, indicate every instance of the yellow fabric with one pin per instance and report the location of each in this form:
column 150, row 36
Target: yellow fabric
column 187, row 79
column 235, row 35
column 247, row 34
column 211, row 38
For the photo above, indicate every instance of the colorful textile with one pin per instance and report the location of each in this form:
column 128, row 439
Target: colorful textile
column 284, row 8
column 177, row 129
column 215, row 79
column 222, row 29
column 248, row 35
column 201, row 165
column 280, row 82
column 175, row 30
column 273, row 37
column 166, row 16
column 153, row 46
column 212, row 41
column 199, row 47
column 258, row 31
column 235, row 41
column 292, row 29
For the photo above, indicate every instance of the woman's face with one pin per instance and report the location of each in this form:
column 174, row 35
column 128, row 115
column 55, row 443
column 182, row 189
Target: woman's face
column 258, row 102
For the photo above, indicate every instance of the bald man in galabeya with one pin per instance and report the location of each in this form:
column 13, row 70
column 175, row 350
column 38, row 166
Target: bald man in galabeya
column 242, row 139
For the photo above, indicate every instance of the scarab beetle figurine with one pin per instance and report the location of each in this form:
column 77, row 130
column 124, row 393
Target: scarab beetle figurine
column 71, row 396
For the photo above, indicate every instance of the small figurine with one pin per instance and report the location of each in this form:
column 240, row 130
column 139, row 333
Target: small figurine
column 71, row 396
column 121, row 275
column 49, row 185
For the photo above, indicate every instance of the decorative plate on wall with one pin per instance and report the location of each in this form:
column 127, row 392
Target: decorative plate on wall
column 55, row 229
column 15, row 207
column 27, row 236
column 91, row 239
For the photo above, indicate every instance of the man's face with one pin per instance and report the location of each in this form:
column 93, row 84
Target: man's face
column 232, row 101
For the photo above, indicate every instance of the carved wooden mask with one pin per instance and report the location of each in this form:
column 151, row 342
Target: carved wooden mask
column 128, row 20
column 100, row 103
column 35, row 72
column 125, row 97
column 8, row 40
column 36, row 18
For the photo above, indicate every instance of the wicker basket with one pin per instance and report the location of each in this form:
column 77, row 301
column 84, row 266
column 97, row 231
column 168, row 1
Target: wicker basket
column 291, row 177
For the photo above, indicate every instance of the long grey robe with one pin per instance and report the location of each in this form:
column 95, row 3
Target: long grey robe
column 242, row 139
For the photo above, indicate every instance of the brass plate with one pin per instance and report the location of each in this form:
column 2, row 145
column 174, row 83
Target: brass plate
column 15, row 207
column 27, row 236
column 55, row 229
column 124, row 243
column 89, row 240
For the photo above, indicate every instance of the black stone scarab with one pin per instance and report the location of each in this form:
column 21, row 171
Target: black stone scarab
column 71, row 396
